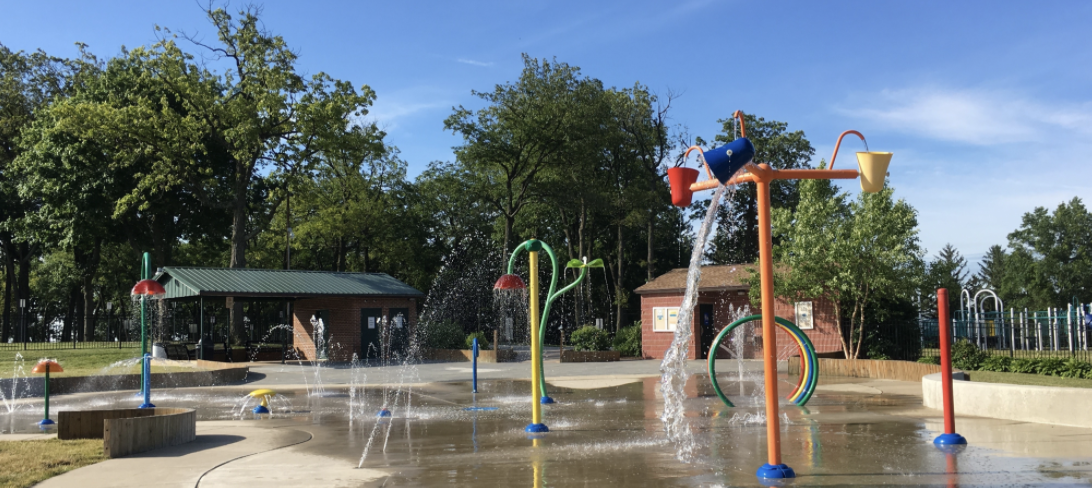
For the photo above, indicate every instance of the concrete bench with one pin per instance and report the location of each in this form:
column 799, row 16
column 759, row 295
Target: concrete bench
column 129, row 430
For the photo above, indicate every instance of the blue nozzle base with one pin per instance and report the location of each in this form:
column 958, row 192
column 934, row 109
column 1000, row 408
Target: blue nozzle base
column 46, row 422
column 146, row 405
column 260, row 409
column 546, row 400
column 952, row 439
column 775, row 471
column 537, row 428
column 384, row 413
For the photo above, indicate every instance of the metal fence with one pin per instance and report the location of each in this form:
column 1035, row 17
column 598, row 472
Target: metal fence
column 1053, row 333
column 177, row 321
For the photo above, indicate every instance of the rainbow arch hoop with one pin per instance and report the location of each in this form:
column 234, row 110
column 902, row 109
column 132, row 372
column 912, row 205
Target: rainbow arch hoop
column 809, row 371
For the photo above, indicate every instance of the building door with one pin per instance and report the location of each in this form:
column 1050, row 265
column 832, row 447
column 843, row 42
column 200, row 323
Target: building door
column 371, row 328
column 708, row 329
column 322, row 334
column 399, row 332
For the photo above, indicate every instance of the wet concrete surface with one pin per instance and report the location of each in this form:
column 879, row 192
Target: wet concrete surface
column 605, row 431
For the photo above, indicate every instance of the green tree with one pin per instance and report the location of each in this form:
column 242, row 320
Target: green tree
column 857, row 254
column 1058, row 243
column 947, row 270
column 524, row 131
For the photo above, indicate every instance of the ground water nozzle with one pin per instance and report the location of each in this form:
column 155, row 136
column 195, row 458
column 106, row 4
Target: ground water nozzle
column 264, row 394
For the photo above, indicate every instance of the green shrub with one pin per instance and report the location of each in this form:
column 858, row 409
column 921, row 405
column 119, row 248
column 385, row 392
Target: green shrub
column 483, row 341
column 1074, row 368
column 966, row 355
column 628, row 340
column 1024, row 365
column 929, row 360
column 996, row 363
column 588, row 338
column 1050, row 366
column 446, row 334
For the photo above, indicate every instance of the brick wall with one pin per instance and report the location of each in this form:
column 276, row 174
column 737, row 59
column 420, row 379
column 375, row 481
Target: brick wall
column 824, row 336
column 344, row 323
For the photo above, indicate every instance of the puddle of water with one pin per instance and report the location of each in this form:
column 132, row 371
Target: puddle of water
column 614, row 437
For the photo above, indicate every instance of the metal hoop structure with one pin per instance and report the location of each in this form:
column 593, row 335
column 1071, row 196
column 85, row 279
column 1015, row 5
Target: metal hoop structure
column 809, row 364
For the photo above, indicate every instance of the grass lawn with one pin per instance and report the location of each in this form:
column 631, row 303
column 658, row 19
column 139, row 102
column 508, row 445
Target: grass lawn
column 25, row 463
column 1028, row 379
column 78, row 362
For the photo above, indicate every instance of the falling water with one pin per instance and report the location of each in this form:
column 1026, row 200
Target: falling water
column 18, row 378
column 673, row 368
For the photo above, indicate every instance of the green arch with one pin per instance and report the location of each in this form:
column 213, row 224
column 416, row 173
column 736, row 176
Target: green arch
column 809, row 373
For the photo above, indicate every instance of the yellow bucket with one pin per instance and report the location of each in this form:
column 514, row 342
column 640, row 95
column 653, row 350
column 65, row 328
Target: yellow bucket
column 873, row 168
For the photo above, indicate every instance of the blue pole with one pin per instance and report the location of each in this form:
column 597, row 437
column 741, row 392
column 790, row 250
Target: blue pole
column 147, row 382
column 475, row 368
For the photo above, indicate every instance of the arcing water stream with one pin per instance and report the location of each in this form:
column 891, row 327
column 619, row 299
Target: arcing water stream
column 673, row 373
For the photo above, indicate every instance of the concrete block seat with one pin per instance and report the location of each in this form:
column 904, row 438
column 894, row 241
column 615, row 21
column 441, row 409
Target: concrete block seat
column 129, row 430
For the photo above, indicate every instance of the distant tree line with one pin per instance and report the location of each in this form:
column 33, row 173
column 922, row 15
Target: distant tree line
column 224, row 154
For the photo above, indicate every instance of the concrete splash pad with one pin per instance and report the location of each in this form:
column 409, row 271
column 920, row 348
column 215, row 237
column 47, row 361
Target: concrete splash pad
column 608, row 436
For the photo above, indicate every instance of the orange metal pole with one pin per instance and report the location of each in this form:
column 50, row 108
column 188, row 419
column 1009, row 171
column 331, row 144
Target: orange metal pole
column 769, row 330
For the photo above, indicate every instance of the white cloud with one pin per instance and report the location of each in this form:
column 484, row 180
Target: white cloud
column 979, row 117
column 474, row 63
column 397, row 106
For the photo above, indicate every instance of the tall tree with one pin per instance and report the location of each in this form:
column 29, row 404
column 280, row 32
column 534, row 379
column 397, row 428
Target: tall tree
column 1059, row 244
column 947, row 270
column 28, row 83
column 523, row 132
column 736, row 240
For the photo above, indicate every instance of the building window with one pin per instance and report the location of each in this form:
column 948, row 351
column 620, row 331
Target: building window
column 804, row 318
column 665, row 319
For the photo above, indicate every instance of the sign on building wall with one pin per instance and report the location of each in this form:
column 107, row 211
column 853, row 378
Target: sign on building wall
column 804, row 318
column 665, row 319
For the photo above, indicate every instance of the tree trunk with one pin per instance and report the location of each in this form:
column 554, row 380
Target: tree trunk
column 509, row 222
column 618, row 284
column 9, row 279
column 649, row 260
column 70, row 317
column 238, row 248
column 22, row 289
column 92, row 265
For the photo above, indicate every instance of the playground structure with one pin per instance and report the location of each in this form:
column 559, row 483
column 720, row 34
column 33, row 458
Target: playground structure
column 512, row 282
column 145, row 289
column 723, row 165
column 47, row 366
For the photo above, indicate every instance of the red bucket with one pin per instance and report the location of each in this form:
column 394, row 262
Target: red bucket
column 681, row 179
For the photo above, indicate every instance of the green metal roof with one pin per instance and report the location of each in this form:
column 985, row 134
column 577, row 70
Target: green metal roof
column 184, row 281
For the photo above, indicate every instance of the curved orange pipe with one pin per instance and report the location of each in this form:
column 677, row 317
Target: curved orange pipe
column 839, row 143
column 702, row 152
column 742, row 129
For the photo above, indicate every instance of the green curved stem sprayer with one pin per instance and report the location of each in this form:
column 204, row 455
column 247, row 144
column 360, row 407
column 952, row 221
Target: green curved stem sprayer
column 551, row 295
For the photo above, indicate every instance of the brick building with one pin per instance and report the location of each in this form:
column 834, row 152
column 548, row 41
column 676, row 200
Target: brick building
column 721, row 290
column 370, row 314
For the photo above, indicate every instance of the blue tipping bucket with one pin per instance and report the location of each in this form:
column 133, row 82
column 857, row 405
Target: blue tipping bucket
column 726, row 160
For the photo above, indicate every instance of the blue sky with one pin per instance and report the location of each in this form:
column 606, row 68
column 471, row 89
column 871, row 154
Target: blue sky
column 986, row 105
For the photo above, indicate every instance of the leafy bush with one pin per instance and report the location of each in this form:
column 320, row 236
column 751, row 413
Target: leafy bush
column 1024, row 365
column 929, row 360
column 1050, row 366
column 483, row 341
column 445, row 334
column 588, row 338
column 1074, row 368
column 996, row 363
column 628, row 340
column 967, row 356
